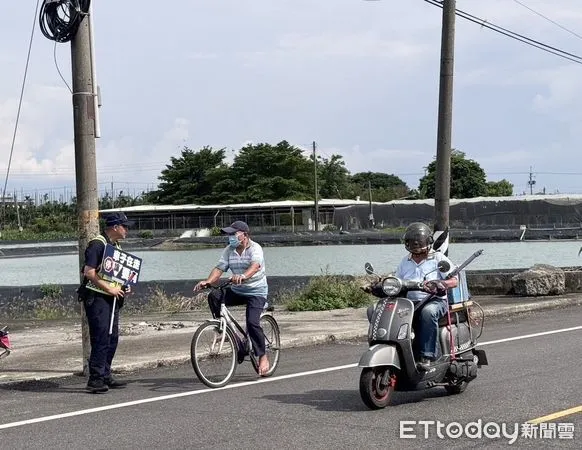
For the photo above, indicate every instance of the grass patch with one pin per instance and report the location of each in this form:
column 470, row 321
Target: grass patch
column 50, row 308
column 30, row 235
column 51, row 290
column 330, row 292
column 158, row 300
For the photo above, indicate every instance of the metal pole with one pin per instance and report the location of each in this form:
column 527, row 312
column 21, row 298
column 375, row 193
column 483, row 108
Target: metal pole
column 316, row 190
column 96, row 103
column 85, row 161
column 445, row 121
column 371, row 214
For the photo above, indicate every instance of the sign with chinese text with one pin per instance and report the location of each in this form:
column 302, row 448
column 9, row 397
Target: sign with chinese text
column 120, row 266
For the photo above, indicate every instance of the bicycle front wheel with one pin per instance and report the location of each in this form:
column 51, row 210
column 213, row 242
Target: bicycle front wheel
column 213, row 354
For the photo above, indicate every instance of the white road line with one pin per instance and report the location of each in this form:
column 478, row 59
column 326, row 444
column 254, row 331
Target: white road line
column 527, row 336
column 237, row 385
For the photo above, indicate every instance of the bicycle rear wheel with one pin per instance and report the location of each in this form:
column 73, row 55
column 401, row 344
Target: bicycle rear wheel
column 214, row 364
column 272, row 344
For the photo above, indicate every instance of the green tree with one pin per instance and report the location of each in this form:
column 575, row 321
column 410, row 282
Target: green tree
column 189, row 178
column 501, row 188
column 264, row 172
column 385, row 187
column 468, row 179
column 333, row 178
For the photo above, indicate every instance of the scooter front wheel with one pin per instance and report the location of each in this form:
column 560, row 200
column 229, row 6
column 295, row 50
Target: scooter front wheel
column 376, row 386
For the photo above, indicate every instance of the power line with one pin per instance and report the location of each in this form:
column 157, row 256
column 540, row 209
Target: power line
column 548, row 19
column 511, row 34
column 19, row 108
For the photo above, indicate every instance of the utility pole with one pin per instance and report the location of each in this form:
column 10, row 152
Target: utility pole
column 445, row 122
column 531, row 181
column 371, row 214
column 85, row 117
column 316, row 190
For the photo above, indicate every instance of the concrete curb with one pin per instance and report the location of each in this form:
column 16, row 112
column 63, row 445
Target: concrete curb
column 538, row 305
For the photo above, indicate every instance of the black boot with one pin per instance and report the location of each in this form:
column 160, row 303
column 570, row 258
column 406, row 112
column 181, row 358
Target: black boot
column 96, row 386
column 112, row 383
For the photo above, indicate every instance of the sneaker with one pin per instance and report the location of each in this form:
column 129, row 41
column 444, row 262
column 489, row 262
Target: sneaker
column 112, row 383
column 423, row 364
column 97, row 386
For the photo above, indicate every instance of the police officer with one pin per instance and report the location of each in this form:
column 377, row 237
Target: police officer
column 97, row 295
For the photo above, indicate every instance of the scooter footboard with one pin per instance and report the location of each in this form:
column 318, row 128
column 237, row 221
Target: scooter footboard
column 380, row 355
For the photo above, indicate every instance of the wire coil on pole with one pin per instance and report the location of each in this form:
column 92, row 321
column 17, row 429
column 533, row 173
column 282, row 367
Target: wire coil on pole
column 60, row 19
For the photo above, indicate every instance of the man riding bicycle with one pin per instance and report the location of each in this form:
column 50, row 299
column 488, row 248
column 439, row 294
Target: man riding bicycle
column 246, row 261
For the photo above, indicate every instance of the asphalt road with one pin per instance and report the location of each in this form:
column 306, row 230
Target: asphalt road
column 528, row 378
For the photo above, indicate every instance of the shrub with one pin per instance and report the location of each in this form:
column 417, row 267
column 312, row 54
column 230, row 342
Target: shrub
column 330, row 292
column 51, row 291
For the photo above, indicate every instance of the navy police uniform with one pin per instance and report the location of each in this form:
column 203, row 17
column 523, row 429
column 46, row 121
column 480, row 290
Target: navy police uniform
column 98, row 306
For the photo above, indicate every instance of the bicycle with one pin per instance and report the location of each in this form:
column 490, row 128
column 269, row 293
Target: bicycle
column 5, row 347
column 230, row 344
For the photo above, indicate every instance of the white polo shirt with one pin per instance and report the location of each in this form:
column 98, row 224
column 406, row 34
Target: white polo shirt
column 408, row 269
column 238, row 264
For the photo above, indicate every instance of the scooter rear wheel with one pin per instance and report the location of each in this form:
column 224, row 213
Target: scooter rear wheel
column 376, row 386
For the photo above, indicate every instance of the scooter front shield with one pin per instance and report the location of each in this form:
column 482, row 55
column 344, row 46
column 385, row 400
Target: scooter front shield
column 380, row 355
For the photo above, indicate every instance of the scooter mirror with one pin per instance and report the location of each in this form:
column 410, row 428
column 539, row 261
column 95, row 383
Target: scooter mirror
column 444, row 266
column 369, row 268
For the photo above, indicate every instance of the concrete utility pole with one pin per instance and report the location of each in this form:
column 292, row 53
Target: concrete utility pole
column 84, row 116
column 445, row 122
column 370, row 213
column 531, row 181
column 316, row 190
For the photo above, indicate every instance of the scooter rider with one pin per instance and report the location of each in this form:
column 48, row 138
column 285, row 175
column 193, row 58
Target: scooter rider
column 421, row 264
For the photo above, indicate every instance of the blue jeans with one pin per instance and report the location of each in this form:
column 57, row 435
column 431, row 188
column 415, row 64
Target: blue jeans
column 429, row 326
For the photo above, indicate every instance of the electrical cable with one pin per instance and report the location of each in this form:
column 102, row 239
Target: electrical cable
column 18, row 115
column 511, row 34
column 579, row 36
column 60, row 19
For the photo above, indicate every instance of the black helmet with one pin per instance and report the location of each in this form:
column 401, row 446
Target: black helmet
column 418, row 238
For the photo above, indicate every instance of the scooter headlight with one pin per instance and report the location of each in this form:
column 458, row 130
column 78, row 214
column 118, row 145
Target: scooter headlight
column 391, row 286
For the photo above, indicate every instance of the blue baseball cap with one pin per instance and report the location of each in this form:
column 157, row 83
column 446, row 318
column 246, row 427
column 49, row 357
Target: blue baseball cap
column 239, row 225
column 118, row 218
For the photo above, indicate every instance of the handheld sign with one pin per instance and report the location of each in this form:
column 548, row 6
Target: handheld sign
column 120, row 266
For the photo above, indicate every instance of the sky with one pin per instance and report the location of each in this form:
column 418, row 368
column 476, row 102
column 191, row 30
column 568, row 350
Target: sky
column 360, row 78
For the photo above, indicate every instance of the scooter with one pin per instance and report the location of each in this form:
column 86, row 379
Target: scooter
column 390, row 363
column 5, row 347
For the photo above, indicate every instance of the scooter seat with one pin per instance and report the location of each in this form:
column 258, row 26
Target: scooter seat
column 456, row 317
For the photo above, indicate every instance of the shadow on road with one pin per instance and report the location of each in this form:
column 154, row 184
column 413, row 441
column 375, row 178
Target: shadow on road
column 42, row 386
column 342, row 400
column 323, row 400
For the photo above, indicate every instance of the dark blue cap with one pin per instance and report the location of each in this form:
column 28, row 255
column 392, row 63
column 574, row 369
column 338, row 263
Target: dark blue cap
column 118, row 218
column 239, row 225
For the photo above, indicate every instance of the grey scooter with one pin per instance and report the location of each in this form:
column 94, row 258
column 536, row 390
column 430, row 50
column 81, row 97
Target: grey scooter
column 390, row 363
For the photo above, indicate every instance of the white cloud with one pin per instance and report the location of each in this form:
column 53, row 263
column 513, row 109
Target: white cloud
column 37, row 149
column 367, row 44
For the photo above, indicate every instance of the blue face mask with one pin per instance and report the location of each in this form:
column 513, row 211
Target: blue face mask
column 233, row 241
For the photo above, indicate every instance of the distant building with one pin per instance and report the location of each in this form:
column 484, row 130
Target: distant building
column 532, row 211
column 287, row 215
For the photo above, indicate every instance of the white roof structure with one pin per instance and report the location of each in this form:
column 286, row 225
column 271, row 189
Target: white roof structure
column 279, row 204
column 337, row 203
